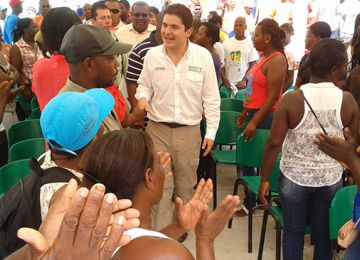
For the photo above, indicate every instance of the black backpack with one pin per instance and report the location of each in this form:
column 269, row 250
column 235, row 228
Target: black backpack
column 20, row 206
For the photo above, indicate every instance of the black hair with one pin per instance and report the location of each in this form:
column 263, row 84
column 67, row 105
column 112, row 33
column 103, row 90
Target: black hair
column 271, row 27
column 326, row 54
column 320, row 29
column 154, row 10
column 56, row 23
column 97, row 6
column 182, row 12
column 287, row 27
column 356, row 35
column 212, row 31
column 125, row 3
column 355, row 58
column 215, row 19
column 140, row 3
column 119, row 160
column 21, row 25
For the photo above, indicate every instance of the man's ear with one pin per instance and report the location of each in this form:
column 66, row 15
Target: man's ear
column 188, row 32
column 149, row 179
column 88, row 64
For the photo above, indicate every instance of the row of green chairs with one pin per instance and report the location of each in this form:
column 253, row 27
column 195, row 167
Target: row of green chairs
column 24, row 130
column 225, row 93
column 27, row 149
column 12, row 172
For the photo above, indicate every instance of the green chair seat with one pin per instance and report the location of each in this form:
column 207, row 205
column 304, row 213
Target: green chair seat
column 12, row 172
column 27, row 149
column 224, row 156
column 24, row 130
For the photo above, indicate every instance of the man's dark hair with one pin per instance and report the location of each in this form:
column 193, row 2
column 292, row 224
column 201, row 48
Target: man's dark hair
column 140, row 3
column 320, row 29
column 182, row 12
column 212, row 31
column 125, row 3
column 97, row 6
column 56, row 23
column 154, row 10
column 216, row 19
column 326, row 54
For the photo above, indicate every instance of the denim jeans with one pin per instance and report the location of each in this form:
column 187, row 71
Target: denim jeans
column 353, row 252
column 300, row 204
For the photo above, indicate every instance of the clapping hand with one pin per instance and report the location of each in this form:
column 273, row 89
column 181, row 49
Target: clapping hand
column 189, row 214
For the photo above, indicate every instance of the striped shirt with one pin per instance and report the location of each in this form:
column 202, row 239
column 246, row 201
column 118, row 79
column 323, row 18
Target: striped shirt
column 136, row 58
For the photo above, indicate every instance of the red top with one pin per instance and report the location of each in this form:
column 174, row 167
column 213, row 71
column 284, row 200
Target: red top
column 256, row 91
column 50, row 76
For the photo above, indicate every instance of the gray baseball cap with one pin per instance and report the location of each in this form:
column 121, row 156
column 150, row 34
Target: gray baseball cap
column 83, row 40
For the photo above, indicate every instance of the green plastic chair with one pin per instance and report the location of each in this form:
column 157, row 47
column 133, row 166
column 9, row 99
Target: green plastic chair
column 231, row 104
column 250, row 154
column 225, row 92
column 36, row 113
column 34, row 103
column 340, row 212
column 12, row 172
column 24, row 130
column 227, row 134
column 27, row 149
column 240, row 94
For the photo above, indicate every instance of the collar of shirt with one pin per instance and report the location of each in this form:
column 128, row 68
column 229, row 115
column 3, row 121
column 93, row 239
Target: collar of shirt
column 71, row 86
column 150, row 28
column 186, row 54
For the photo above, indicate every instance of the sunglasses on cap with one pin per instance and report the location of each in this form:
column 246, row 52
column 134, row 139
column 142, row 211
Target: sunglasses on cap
column 143, row 15
column 114, row 11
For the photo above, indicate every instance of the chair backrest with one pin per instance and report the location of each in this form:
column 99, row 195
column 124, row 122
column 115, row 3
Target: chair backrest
column 274, row 175
column 12, row 172
column 34, row 103
column 36, row 113
column 231, row 104
column 24, row 130
column 227, row 131
column 341, row 209
column 225, row 92
column 27, row 149
column 240, row 94
column 250, row 153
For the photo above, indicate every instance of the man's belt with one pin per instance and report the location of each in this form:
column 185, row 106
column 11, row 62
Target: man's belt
column 172, row 125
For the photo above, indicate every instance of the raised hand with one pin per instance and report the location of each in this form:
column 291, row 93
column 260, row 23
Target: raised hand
column 188, row 215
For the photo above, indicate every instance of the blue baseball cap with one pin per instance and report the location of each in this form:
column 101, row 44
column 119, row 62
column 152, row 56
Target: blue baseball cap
column 72, row 119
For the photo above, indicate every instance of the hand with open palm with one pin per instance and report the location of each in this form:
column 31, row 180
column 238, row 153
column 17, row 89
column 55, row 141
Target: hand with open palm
column 189, row 214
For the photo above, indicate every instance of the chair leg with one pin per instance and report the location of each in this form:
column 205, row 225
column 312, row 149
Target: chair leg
column 214, row 186
column 278, row 242
column 236, row 185
column 263, row 233
column 249, row 196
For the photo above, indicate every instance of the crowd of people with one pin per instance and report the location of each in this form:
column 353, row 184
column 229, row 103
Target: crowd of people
column 123, row 91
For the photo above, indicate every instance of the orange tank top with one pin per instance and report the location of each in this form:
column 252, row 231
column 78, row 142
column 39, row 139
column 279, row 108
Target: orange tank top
column 256, row 91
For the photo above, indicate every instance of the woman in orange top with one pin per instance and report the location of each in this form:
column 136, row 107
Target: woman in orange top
column 264, row 80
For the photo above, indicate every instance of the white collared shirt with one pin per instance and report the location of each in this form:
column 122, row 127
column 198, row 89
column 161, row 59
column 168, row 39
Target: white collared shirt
column 127, row 34
column 180, row 94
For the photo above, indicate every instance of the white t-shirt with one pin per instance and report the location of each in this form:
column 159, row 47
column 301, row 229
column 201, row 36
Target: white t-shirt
column 238, row 55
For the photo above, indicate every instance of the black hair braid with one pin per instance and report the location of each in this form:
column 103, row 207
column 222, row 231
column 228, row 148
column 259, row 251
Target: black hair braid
column 21, row 25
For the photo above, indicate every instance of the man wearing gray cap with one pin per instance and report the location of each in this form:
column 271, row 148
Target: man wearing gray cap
column 92, row 56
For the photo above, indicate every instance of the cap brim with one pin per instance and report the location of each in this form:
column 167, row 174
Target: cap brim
column 118, row 48
column 104, row 100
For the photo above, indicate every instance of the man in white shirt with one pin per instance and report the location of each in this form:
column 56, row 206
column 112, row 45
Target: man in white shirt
column 240, row 55
column 140, row 28
column 177, row 84
column 114, row 8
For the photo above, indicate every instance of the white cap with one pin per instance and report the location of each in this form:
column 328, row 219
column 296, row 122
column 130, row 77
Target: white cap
column 248, row 3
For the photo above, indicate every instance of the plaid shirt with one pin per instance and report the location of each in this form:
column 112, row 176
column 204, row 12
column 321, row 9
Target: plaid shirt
column 28, row 55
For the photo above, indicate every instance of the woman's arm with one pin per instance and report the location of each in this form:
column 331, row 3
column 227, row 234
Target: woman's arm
column 275, row 74
column 17, row 62
column 273, row 146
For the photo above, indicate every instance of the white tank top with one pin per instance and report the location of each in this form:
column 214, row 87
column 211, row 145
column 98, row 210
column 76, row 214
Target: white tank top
column 140, row 232
column 302, row 162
